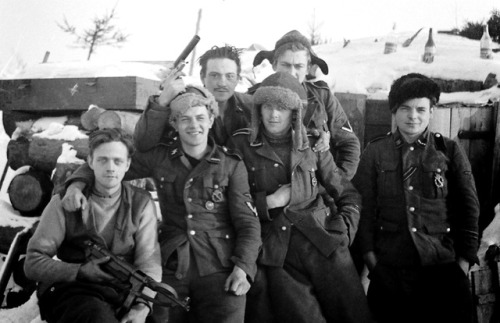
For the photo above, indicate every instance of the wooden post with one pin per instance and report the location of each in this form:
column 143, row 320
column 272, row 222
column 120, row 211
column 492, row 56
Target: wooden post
column 495, row 171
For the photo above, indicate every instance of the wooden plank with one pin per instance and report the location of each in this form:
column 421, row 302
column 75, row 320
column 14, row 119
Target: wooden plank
column 116, row 93
column 440, row 121
column 460, row 120
column 495, row 171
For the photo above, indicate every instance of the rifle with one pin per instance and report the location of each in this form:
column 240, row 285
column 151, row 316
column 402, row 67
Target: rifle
column 179, row 63
column 134, row 279
column 189, row 48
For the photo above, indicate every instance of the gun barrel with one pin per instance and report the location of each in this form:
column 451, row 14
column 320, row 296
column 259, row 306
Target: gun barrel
column 187, row 50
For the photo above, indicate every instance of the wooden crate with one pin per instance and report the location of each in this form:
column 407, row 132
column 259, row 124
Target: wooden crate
column 111, row 93
column 485, row 287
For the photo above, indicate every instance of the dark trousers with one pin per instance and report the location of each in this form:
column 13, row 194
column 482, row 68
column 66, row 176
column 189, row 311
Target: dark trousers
column 427, row 294
column 258, row 307
column 210, row 303
column 314, row 288
column 79, row 303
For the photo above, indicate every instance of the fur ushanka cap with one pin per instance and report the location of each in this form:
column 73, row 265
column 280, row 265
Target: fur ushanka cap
column 284, row 90
column 193, row 96
column 291, row 37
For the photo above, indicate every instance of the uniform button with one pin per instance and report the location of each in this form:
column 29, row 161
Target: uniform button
column 178, row 276
column 411, row 209
column 162, row 179
column 190, row 180
column 216, row 186
column 227, row 236
column 161, row 186
column 412, row 148
column 447, row 229
column 381, row 228
column 252, row 169
column 192, row 232
column 438, row 135
column 189, row 216
column 52, row 289
column 253, row 184
column 293, row 173
column 413, row 229
column 410, row 188
column 438, row 170
column 283, row 228
column 276, row 165
column 190, row 199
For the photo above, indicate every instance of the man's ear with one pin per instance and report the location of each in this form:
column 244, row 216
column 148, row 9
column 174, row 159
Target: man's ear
column 275, row 64
column 173, row 123
column 202, row 78
column 129, row 160
column 89, row 161
column 431, row 112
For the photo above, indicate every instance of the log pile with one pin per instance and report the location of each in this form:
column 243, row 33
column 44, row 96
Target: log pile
column 40, row 143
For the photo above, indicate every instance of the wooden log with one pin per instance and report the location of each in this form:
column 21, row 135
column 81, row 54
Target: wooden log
column 18, row 153
column 43, row 152
column 126, row 120
column 89, row 117
column 30, row 192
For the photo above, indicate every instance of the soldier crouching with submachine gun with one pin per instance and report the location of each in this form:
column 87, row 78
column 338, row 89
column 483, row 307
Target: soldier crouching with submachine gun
column 86, row 284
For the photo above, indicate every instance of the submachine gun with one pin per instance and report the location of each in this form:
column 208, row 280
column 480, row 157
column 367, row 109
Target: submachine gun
column 134, row 280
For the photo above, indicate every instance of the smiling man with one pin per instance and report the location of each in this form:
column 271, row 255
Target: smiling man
column 210, row 233
column 419, row 222
column 220, row 74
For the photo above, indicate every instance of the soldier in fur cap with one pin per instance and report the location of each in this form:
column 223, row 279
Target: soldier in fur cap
column 209, row 235
column 324, row 117
column 418, row 231
column 305, row 256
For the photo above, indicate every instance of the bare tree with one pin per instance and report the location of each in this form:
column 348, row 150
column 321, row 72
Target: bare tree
column 314, row 29
column 102, row 33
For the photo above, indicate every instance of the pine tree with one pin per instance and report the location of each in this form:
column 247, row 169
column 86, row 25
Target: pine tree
column 102, row 33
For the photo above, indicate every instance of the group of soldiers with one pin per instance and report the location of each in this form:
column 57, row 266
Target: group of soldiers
column 261, row 195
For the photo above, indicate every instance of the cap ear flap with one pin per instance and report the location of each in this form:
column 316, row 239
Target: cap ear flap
column 262, row 55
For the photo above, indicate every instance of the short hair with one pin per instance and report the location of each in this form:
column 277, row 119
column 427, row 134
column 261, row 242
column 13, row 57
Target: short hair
column 227, row 51
column 411, row 86
column 103, row 136
column 294, row 47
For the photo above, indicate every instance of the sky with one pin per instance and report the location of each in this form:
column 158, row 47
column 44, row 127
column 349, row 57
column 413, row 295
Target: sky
column 159, row 30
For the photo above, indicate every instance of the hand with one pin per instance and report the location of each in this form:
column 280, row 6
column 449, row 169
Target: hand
column 464, row 265
column 279, row 198
column 237, row 283
column 74, row 199
column 137, row 314
column 92, row 272
column 370, row 260
column 172, row 85
column 323, row 143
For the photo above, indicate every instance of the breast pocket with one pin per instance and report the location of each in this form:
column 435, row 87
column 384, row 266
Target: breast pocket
column 165, row 184
column 264, row 178
column 214, row 195
column 307, row 184
column 388, row 180
column 434, row 183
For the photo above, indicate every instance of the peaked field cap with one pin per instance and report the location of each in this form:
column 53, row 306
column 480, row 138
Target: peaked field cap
column 281, row 88
column 292, row 37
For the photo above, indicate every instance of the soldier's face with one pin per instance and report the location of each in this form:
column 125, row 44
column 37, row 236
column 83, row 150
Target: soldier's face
column 295, row 63
column 193, row 126
column 412, row 117
column 110, row 162
column 221, row 78
column 276, row 119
